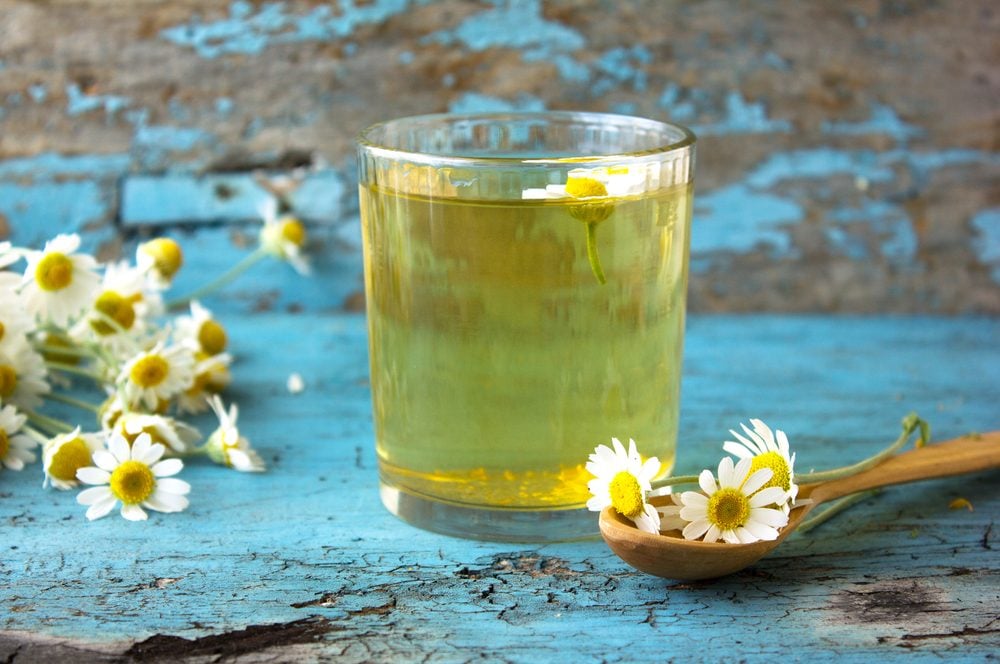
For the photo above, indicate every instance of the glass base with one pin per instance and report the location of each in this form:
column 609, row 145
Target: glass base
column 492, row 525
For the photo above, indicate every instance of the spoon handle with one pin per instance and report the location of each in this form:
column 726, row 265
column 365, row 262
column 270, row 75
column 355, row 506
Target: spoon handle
column 968, row 454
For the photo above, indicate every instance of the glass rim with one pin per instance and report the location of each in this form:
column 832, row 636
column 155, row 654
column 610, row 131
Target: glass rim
column 366, row 142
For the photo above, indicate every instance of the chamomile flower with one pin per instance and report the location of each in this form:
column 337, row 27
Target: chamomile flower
column 670, row 515
column 65, row 454
column 15, row 447
column 211, row 376
column 283, row 236
column 121, row 308
column 176, row 436
column 22, row 376
column 591, row 183
column 8, row 254
column 226, row 446
column 59, row 283
column 622, row 481
column 159, row 259
column 135, row 476
column 734, row 509
column 767, row 450
column 157, row 375
column 14, row 321
column 201, row 332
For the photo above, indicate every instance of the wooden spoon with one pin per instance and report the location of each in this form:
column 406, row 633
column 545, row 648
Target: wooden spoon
column 672, row 557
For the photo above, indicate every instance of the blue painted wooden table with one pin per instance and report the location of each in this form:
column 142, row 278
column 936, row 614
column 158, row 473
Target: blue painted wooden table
column 304, row 562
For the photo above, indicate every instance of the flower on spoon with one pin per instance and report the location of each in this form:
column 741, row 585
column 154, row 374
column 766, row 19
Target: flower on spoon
column 622, row 481
column 736, row 508
column 767, row 450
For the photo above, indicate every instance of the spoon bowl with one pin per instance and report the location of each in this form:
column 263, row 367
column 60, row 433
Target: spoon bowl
column 670, row 556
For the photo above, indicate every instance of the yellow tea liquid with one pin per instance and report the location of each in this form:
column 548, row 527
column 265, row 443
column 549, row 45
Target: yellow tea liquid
column 498, row 361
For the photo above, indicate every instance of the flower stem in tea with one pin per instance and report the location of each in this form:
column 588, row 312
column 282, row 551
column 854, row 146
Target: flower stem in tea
column 590, row 213
column 592, row 255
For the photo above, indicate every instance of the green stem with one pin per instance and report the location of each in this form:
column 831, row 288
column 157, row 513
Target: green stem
column 834, row 509
column 62, row 398
column 75, row 351
column 36, row 434
column 72, row 369
column 671, row 481
column 46, row 422
column 222, row 280
column 592, row 255
column 910, row 424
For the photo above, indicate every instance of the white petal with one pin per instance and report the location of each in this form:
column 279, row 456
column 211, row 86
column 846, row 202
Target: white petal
column 649, row 471
column 745, row 536
column 598, row 503
column 760, row 530
column 707, row 482
column 782, row 440
column 619, row 449
column 761, row 477
column 695, row 529
column 93, row 495
column 101, row 508
column 93, row 475
column 693, row 513
column 151, row 455
column 713, row 533
column 105, row 460
column 134, row 513
column 768, row 496
column 726, row 472
column 119, row 448
column 768, row 517
column 740, row 472
column 749, row 444
column 737, row 449
column 161, row 501
column 167, row 467
column 12, row 462
column 649, row 520
column 172, row 485
column 694, row 498
column 730, row 537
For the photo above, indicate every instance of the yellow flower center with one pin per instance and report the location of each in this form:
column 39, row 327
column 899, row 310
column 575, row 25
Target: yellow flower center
column 132, row 482
column 584, row 187
column 626, row 495
column 4, row 444
column 71, row 456
column 728, row 509
column 212, row 337
column 781, row 474
column 54, row 272
column 293, row 231
column 8, row 380
column 115, row 307
column 149, row 371
column 166, row 254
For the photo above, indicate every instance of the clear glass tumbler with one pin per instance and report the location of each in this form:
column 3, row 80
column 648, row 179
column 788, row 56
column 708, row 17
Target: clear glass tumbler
column 525, row 277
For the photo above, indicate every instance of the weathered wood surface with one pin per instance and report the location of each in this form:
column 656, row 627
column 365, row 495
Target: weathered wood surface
column 303, row 562
column 848, row 149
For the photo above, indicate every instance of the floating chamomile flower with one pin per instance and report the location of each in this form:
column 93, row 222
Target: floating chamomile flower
column 211, row 376
column 734, row 510
column 157, row 375
column 67, row 453
column 768, row 450
column 622, row 481
column 201, row 331
column 176, row 436
column 15, row 447
column 22, row 376
column 59, row 283
column 136, row 477
column 226, row 446
column 159, row 259
column 283, row 236
column 592, row 183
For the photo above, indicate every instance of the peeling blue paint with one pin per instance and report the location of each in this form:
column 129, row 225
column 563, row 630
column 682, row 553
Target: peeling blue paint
column 173, row 198
column 818, row 163
column 621, row 66
column 516, row 24
column 883, row 120
column 38, row 93
column 77, row 102
column 14, row 99
column 570, row 69
column 224, row 106
column 170, row 138
column 678, row 110
column 38, row 211
column 249, row 31
column 736, row 218
column 48, row 165
column 473, row 102
column 742, row 117
column 886, row 220
column 986, row 244
column 624, row 108
column 405, row 57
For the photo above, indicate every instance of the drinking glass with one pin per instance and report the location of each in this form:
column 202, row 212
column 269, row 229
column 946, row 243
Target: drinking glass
column 525, row 279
